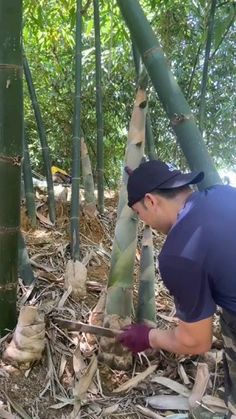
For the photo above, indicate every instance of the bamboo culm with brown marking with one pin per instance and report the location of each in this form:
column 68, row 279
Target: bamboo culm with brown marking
column 11, row 140
column 119, row 292
column 149, row 140
column 146, row 305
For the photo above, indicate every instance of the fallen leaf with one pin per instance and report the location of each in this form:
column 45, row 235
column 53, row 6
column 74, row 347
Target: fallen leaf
column 200, row 384
column 214, row 401
column 17, row 407
column 6, row 415
column 136, row 380
column 44, row 220
column 183, row 374
column 148, row 413
column 62, row 404
column 165, row 402
column 173, row 385
column 109, row 410
column 82, row 386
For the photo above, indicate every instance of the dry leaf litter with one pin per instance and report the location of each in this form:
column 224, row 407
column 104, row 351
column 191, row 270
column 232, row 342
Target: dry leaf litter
column 70, row 381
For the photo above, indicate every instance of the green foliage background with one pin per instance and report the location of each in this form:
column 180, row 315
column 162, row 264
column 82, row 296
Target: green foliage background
column 181, row 27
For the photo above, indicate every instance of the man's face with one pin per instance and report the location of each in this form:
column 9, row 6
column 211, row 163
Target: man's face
column 153, row 210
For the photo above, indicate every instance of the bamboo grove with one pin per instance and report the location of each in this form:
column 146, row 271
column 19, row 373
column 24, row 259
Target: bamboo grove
column 150, row 73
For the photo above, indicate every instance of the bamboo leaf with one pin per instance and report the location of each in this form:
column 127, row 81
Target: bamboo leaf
column 200, row 384
column 136, row 380
column 164, row 402
column 17, row 407
column 173, row 385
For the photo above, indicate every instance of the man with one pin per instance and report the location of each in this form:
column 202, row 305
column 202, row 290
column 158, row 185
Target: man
column 197, row 262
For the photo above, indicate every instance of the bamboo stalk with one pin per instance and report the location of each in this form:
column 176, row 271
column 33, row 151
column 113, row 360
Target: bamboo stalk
column 146, row 307
column 119, row 293
column 11, row 138
column 99, row 115
column 24, row 266
column 75, row 215
column 202, row 106
column 43, row 140
column 89, row 194
column 170, row 95
column 150, row 145
column 28, row 183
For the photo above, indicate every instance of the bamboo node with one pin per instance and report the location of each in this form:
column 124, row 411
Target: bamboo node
column 151, row 51
column 9, row 230
column 9, row 286
column 15, row 160
column 178, row 119
column 11, row 67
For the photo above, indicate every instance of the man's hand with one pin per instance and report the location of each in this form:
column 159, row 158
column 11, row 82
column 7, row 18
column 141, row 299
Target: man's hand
column 135, row 337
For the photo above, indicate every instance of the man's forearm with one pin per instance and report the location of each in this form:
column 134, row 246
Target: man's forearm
column 170, row 340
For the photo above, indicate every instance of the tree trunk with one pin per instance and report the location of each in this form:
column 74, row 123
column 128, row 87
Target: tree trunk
column 74, row 218
column 171, row 97
column 100, row 152
column 11, row 139
column 43, row 140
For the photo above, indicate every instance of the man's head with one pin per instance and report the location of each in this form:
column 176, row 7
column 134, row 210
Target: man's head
column 157, row 191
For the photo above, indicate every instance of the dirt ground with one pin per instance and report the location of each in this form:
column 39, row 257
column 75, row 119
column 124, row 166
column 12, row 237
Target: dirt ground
column 46, row 389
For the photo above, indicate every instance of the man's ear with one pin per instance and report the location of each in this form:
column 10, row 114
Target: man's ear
column 151, row 200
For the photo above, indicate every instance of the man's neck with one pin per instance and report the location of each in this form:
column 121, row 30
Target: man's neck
column 178, row 204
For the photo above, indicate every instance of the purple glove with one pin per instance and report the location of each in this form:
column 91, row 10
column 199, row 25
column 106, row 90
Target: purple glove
column 135, row 337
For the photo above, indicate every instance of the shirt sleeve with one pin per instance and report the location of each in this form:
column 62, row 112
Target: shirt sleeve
column 190, row 287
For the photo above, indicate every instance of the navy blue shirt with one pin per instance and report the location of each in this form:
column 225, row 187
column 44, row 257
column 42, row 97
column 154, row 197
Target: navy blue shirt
column 198, row 259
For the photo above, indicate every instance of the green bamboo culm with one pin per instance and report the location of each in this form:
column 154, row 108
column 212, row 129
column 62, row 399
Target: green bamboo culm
column 137, row 61
column 202, row 105
column 170, row 95
column 75, row 216
column 24, row 266
column 146, row 306
column 43, row 140
column 28, row 183
column 99, row 115
column 11, row 140
column 150, row 144
column 89, row 192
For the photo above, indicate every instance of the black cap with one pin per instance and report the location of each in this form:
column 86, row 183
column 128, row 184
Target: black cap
column 155, row 174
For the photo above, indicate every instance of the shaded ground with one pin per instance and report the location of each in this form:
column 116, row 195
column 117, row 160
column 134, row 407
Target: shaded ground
column 51, row 381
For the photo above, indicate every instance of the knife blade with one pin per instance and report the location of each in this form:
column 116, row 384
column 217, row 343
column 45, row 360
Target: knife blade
column 73, row 325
